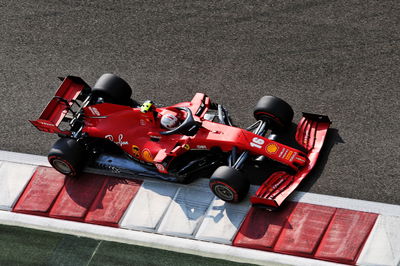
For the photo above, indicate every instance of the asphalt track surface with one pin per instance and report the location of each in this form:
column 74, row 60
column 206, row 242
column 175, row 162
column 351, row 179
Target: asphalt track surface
column 339, row 58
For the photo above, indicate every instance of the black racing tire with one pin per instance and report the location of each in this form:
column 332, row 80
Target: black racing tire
column 275, row 111
column 229, row 184
column 67, row 156
column 113, row 89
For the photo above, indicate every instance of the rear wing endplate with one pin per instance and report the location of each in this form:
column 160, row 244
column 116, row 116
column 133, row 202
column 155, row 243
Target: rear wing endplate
column 69, row 91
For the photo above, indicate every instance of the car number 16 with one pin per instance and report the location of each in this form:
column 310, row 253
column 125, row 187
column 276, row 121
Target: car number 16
column 257, row 143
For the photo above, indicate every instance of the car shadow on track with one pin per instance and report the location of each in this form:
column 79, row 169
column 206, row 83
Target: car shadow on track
column 333, row 138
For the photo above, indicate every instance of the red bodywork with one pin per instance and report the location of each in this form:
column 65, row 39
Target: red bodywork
column 138, row 134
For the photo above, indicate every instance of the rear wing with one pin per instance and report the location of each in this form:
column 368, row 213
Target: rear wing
column 310, row 133
column 60, row 108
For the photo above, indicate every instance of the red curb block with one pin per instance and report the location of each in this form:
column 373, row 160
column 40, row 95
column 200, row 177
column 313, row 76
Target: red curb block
column 90, row 198
column 258, row 232
column 112, row 201
column 38, row 196
column 307, row 230
column 77, row 196
column 346, row 235
column 304, row 229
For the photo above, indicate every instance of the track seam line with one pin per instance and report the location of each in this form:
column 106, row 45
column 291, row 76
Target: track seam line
column 94, row 252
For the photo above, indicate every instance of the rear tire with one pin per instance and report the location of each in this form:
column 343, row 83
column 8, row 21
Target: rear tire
column 113, row 89
column 275, row 111
column 229, row 184
column 67, row 156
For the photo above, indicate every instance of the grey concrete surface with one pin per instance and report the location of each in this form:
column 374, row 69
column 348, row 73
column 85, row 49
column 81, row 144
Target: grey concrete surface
column 339, row 58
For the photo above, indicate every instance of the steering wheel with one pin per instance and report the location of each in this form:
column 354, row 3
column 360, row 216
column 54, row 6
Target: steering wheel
column 188, row 127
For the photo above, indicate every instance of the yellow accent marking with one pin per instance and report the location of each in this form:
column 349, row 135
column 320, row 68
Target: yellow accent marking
column 288, row 155
column 135, row 151
column 146, row 154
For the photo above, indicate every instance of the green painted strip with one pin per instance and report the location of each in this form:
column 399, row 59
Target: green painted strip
column 23, row 246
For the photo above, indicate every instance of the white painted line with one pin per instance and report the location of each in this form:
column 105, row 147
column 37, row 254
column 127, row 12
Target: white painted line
column 176, row 244
column 149, row 206
column 383, row 245
column 346, row 203
column 23, row 158
column 13, row 179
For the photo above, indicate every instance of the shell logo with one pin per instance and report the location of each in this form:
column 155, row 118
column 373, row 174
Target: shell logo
column 146, row 155
column 272, row 148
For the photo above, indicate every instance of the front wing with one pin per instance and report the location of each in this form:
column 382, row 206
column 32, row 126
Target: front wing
column 310, row 134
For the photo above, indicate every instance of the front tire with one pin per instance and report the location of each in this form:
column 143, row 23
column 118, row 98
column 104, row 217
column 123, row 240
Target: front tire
column 229, row 184
column 67, row 156
column 274, row 110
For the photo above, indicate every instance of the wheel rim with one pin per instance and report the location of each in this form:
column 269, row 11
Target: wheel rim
column 224, row 192
column 62, row 166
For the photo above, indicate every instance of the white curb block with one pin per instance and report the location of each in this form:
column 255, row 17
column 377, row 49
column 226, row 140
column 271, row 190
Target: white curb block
column 383, row 245
column 15, row 157
column 186, row 212
column 13, row 179
column 152, row 196
column 174, row 211
column 222, row 221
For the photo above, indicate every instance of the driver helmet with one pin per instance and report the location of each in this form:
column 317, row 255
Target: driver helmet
column 169, row 121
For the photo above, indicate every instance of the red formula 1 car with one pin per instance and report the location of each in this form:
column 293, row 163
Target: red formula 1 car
column 103, row 127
